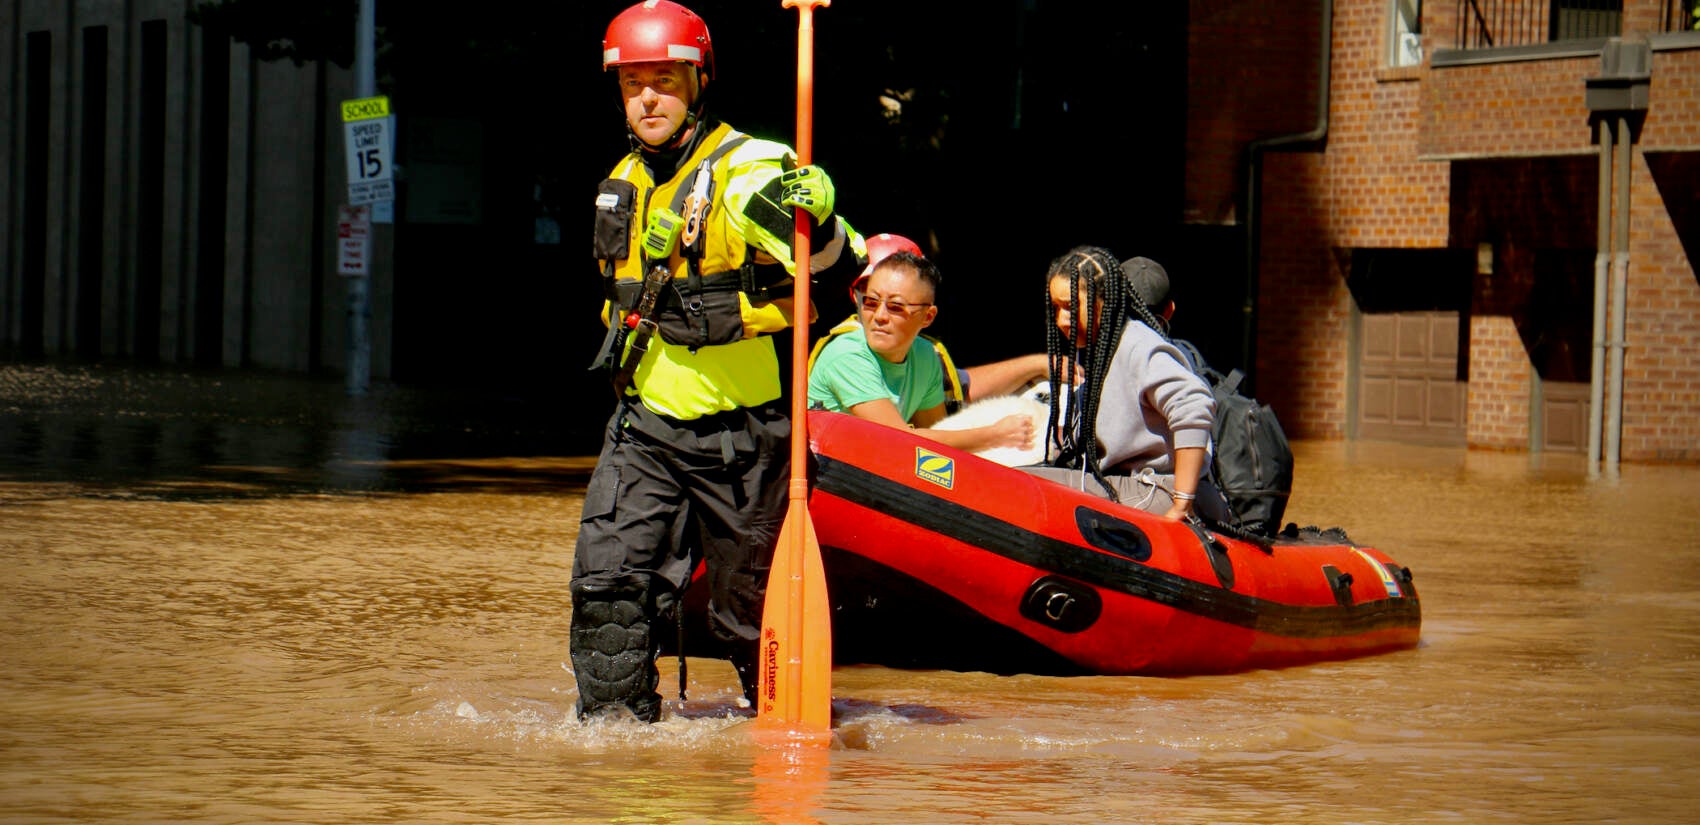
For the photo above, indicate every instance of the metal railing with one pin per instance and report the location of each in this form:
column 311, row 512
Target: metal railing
column 1681, row 16
column 1485, row 24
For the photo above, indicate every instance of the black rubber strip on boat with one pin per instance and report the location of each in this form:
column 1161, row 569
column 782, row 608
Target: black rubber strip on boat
column 1011, row 541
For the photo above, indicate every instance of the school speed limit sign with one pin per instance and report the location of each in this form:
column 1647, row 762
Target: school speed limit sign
column 369, row 133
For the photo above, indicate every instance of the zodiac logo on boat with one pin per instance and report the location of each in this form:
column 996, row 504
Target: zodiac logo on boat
column 1381, row 571
column 938, row 469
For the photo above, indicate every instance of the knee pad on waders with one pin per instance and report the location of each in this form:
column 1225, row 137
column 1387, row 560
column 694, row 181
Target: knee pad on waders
column 613, row 649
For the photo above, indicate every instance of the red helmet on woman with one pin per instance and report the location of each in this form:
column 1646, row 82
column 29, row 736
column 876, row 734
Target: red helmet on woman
column 658, row 30
column 879, row 246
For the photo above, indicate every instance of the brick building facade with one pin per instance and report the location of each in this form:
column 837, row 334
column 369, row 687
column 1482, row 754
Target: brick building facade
column 1412, row 191
column 1457, row 190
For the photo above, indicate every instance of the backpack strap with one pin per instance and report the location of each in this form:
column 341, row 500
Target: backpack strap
column 1194, row 358
column 1231, row 383
column 954, row 396
column 843, row 326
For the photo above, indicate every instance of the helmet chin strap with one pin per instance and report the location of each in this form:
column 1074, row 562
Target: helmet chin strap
column 680, row 138
column 683, row 134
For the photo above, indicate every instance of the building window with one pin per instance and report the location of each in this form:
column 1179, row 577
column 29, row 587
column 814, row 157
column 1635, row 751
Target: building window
column 1584, row 19
column 1405, row 33
column 1484, row 24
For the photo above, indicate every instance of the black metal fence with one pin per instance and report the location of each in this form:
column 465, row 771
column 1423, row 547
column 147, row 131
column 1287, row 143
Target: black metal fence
column 1681, row 15
column 1484, row 24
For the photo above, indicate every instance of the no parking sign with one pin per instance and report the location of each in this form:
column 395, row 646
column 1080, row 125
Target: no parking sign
column 353, row 229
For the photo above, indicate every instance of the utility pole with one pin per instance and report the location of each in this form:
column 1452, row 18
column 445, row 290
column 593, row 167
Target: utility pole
column 359, row 284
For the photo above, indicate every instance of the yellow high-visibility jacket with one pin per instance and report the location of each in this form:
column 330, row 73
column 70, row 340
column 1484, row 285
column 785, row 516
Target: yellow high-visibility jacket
column 731, row 280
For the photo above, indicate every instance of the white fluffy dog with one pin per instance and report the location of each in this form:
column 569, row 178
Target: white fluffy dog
column 1034, row 402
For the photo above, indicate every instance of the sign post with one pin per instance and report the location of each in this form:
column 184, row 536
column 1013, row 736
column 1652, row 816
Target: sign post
column 369, row 136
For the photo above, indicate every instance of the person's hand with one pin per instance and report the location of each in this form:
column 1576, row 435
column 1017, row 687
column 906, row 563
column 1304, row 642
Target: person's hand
column 807, row 188
column 1178, row 511
column 1013, row 431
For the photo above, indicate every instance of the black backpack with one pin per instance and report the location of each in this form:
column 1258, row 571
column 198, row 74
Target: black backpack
column 1253, row 464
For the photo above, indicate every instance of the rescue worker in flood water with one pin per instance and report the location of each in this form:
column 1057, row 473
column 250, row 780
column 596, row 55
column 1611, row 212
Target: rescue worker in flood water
column 693, row 233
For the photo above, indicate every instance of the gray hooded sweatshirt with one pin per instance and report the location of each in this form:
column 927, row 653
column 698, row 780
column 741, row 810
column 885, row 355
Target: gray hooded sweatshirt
column 1152, row 403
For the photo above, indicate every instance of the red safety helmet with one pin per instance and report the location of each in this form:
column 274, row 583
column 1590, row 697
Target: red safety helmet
column 879, row 246
column 658, row 30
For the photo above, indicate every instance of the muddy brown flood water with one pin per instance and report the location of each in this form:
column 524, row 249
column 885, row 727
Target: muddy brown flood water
column 237, row 599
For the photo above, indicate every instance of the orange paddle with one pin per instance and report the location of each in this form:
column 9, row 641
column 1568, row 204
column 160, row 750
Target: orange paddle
column 795, row 688
column 788, row 784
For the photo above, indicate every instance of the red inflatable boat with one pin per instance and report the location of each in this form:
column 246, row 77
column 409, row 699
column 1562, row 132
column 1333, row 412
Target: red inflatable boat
column 938, row 559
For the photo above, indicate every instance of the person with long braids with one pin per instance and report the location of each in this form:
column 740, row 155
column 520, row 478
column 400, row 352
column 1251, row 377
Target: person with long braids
column 1138, row 427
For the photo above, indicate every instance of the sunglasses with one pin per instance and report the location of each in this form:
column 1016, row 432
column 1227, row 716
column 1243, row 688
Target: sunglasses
column 897, row 309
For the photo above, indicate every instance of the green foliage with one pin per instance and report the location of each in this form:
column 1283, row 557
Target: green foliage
column 303, row 31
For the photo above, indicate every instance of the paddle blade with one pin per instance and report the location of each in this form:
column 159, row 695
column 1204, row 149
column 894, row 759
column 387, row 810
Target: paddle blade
column 795, row 686
column 789, row 784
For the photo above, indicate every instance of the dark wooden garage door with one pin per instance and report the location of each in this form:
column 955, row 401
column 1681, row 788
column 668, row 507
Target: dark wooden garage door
column 1408, row 387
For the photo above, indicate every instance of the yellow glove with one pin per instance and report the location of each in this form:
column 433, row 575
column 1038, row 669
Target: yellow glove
column 807, row 188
